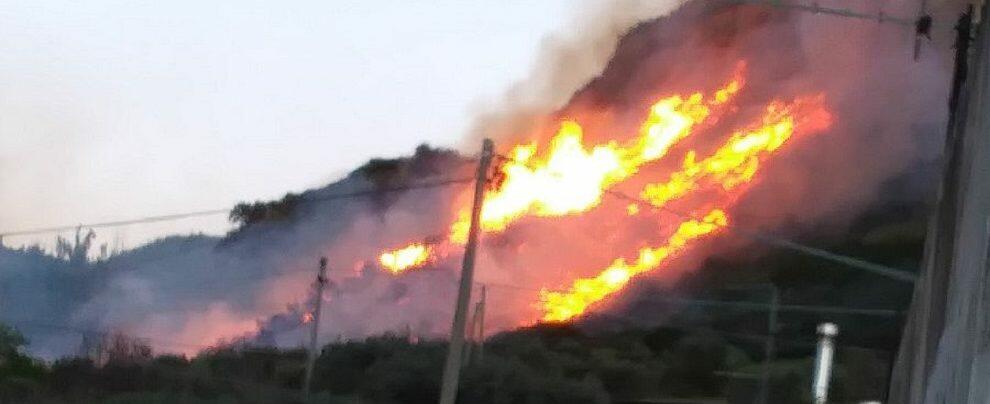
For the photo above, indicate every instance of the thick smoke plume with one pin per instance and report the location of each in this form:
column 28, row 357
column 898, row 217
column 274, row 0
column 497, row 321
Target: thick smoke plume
column 565, row 63
column 185, row 293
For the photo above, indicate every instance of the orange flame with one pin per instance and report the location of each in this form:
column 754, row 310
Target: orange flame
column 401, row 259
column 737, row 161
column 733, row 164
column 562, row 306
column 570, row 177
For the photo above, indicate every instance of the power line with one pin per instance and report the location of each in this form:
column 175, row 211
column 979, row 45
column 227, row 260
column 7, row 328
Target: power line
column 211, row 212
column 883, row 270
column 81, row 330
column 740, row 304
column 752, row 337
column 880, row 16
column 518, row 287
column 879, row 269
column 160, row 342
column 147, row 219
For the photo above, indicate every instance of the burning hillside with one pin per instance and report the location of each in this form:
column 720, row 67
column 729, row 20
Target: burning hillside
column 716, row 115
column 568, row 177
column 622, row 159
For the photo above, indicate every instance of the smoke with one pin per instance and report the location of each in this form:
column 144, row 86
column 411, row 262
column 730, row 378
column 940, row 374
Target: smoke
column 184, row 293
column 889, row 114
column 564, row 64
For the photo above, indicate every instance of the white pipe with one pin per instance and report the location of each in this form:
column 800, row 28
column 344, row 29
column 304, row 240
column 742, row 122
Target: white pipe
column 823, row 362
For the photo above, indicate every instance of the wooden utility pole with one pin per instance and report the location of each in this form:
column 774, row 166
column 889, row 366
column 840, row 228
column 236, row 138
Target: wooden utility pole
column 481, row 323
column 769, row 349
column 452, row 368
column 321, row 282
column 476, row 331
column 469, row 337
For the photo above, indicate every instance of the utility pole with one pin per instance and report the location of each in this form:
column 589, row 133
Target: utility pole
column 823, row 362
column 321, row 282
column 452, row 368
column 481, row 323
column 768, row 349
column 476, row 331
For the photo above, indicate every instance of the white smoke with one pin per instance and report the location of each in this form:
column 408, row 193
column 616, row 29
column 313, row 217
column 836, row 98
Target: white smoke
column 565, row 63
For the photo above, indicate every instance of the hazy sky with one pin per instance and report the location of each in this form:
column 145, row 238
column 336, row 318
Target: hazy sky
column 117, row 109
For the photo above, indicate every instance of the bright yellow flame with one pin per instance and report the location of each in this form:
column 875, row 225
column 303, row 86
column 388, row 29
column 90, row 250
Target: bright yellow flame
column 571, row 178
column 399, row 260
column 567, row 177
column 563, row 306
column 738, row 160
column 735, row 163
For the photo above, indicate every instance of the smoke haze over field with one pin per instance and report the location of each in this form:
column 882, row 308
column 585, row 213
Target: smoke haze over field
column 188, row 292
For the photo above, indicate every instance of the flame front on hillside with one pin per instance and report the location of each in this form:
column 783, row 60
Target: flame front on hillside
column 570, row 177
column 732, row 165
column 404, row 258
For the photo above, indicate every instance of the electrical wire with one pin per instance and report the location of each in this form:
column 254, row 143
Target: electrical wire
column 879, row 269
column 740, row 304
column 211, row 212
column 29, row 323
column 816, row 9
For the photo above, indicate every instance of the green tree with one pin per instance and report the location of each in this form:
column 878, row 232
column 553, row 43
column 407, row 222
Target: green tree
column 21, row 376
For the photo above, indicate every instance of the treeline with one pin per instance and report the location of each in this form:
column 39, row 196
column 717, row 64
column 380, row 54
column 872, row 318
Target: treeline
column 698, row 353
column 543, row 364
column 382, row 174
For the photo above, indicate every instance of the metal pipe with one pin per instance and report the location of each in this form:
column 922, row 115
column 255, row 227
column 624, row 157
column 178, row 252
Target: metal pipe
column 823, row 362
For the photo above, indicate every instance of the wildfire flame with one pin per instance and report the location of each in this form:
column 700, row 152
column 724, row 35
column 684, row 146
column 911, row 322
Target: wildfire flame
column 569, row 177
column 562, row 306
column 399, row 260
column 737, row 161
column 733, row 164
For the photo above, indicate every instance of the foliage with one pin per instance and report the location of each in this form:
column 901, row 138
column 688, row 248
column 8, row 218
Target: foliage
column 20, row 376
column 75, row 252
column 245, row 214
column 386, row 174
column 541, row 364
column 697, row 352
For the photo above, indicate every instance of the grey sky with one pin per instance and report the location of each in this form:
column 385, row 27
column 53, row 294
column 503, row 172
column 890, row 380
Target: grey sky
column 116, row 109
